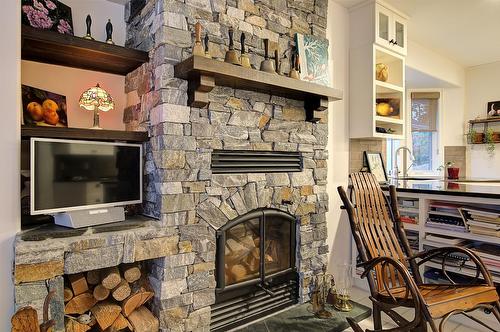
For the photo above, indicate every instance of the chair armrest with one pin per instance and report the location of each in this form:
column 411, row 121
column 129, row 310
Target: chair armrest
column 427, row 255
column 408, row 282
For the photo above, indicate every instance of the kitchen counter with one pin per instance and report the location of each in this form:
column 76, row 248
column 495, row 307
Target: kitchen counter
column 462, row 187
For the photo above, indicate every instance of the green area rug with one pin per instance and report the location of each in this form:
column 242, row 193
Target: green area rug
column 300, row 319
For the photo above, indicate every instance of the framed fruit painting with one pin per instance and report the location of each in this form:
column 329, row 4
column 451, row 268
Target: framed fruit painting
column 43, row 108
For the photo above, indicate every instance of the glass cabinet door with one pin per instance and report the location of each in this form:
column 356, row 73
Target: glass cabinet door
column 383, row 26
column 400, row 34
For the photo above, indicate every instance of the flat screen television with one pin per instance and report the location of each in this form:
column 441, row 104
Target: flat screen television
column 72, row 175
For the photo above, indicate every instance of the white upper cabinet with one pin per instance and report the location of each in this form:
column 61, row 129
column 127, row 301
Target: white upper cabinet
column 390, row 29
column 379, row 23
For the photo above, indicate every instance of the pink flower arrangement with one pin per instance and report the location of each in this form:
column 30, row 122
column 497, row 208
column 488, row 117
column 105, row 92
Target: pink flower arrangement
column 64, row 27
column 38, row 5
column 50, row 5
column 38, row 18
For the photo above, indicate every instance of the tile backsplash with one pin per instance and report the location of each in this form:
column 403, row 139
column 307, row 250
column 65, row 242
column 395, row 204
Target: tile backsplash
column 457, row 155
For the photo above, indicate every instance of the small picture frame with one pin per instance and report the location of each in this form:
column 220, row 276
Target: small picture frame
column 375, row 164
column 493, row 109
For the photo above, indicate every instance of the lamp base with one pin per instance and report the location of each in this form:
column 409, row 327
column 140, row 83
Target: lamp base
column 96, row 119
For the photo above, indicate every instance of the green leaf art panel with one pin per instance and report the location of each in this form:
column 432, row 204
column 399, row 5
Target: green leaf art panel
column 313, row 52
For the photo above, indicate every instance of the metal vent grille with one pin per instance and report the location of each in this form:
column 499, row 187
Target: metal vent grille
column 255, row 162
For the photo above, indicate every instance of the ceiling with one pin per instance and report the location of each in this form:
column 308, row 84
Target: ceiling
column 465, row 31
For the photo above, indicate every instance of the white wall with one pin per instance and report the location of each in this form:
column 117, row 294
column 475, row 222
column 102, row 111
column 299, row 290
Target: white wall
column 482, row 87
column 437, row 71
column 339, row 234
column 10, row 33
column 434, row 64
column 100, row 11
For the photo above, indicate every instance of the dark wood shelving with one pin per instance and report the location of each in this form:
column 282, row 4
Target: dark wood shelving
column 204, row 73
column 485, row 120
column 84, row 134
column 66, row 50
column 237, row 77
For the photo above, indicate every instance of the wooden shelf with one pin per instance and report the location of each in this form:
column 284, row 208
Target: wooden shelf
column 204, row 74
column 66, row 50
column 84, row 134
column 463, row 235
column 384, row 87
column 486, row 120
column 388, row 119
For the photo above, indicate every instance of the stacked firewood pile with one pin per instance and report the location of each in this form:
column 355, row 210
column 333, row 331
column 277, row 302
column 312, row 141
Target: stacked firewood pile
column 109, row 300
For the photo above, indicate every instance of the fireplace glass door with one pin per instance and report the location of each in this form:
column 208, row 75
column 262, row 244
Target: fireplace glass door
column 242, row 252
column 277, row 246
column 255, row 247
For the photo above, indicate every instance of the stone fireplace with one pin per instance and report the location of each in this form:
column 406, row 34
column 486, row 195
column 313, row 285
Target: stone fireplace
column 208, row 209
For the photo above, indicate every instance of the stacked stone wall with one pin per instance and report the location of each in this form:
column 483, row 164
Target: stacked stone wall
column 181, row 190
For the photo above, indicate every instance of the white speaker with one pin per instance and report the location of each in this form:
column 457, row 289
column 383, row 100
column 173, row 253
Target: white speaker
column 86, row 218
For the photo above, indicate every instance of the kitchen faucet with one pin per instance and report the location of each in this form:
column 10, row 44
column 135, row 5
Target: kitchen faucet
column 405, row 169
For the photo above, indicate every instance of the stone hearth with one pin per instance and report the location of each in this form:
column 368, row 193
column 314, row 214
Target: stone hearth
column 181, row 190
column 45, row 254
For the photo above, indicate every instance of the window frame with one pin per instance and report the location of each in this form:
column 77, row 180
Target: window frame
column 438, row 155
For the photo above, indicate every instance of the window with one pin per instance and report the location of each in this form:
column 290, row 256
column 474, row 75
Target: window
column 423, row 137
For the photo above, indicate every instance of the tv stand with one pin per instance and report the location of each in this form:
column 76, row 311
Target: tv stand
column 93, row 217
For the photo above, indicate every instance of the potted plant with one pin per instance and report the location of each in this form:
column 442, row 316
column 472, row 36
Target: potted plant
column 489, row 139
column 496, row 137
column 474, row 137
column 452, row 171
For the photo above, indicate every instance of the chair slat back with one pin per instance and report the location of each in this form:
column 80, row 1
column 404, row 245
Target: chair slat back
column 372, row 217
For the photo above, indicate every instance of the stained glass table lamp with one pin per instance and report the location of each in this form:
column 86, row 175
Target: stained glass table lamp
column 96, row 99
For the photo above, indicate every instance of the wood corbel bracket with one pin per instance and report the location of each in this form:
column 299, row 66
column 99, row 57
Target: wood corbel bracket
column 198, row 89
column 314, row 106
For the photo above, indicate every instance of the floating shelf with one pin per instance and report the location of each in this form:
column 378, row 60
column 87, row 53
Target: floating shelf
column 66, row 50
column 84, row 134
column 486, row 124
column 388, row 119
column 204, row 74
column 486, row 120
column 384, row 87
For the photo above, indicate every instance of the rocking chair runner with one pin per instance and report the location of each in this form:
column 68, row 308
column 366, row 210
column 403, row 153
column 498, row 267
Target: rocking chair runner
column 392, row 268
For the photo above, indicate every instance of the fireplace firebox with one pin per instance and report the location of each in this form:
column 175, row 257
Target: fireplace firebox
column 255, row 268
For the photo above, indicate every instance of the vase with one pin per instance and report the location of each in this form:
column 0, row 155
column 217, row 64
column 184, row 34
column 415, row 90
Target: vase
column 453, row 173
column 381, row 72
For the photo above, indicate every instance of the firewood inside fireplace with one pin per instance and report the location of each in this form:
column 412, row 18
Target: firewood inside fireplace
column 242, row 251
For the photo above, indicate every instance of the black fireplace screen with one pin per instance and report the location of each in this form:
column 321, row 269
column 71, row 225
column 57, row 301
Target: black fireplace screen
column 255, row 247
column 255, row 268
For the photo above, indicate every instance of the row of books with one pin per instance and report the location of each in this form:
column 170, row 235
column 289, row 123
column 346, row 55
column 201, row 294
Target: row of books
column 482, row 221
column 408, row 210
column 446, row 215
column 461, row 263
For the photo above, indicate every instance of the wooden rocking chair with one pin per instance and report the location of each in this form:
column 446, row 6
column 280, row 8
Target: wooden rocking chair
column 392, row 268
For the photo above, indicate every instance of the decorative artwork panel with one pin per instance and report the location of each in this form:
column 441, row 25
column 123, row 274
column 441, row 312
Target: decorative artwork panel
column 494, row 108
column 313, row 53
column 47, row 15
column 43, row 108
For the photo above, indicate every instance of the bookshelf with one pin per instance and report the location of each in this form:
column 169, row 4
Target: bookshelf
column 422, row 211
